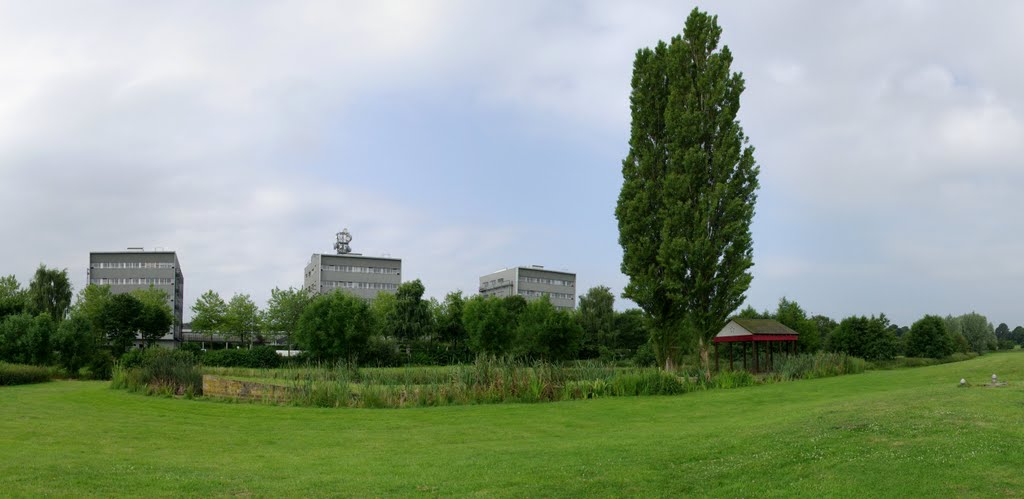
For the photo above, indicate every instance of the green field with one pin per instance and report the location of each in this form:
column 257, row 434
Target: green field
column 899, row 433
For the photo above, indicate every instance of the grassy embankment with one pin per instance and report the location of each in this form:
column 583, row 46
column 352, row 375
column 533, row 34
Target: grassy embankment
column 899, row 433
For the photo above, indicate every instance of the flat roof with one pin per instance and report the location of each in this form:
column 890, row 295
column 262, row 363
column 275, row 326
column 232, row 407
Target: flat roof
column 133, row 252
column 359, row 255
column 531, row 267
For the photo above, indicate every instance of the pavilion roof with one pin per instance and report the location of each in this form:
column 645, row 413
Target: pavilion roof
column 764, row 327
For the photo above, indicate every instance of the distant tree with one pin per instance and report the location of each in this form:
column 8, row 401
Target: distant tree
column 1017, row 335
column 449, row 327
column 868, row 338
column 825, row 325
column 490, row 324
column 1002, row 331
column 50, row 293
column 543, row 332
column 630, row 332
column 75, row 343
column 156, row 317
column 955, row 329
column 688, row 191
column 89, row 305
column 978, row 332
column 209, row 313
column 596, row 315
column 25, row 339
column 12, row 297
column 283, row 311
column 242, row 318
column 515, row 305
column 749, row 312
column 410, row 318
column 793, row 316
column 120, row 319
column 381, row 308
column 928, row 338
column 335, row 327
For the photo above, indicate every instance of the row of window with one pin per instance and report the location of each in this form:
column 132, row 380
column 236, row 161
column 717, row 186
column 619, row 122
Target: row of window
column 553, row 282
column 133, row 265
column 537, row 294
column 361, row 270
column 494, row 282
column 132, row 280
column 383, row 286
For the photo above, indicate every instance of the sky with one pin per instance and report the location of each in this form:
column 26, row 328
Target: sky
column 469, row 136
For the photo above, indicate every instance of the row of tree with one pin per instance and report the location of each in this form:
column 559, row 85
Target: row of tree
column 39, row 325
column 405, row 327
column 877, row 338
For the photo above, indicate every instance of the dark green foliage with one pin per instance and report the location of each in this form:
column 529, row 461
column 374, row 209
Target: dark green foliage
column 490, row 324
column 334, row 327
column 1006, row 344
column 542, row 332
column 688, row 192
column 630, row 333
column 119, row 318
column 209, row 313
column 159, row 371
column 241, row 318
column 867, row 338
column 50, row 293
column 596, row 315
column 410, row 318
column 155, row 318
column 928, row 338
column 819, row 365
column 749, row 312
column 27, row 340
column 793, row 316
column 978, row 332
column 21, row 374
column 75, row 343
column 1002, row 332
column 449, row 329
column 283, row 311
column 259, row 357
column 101, row 366
column 1017, row 335
column 12, row 298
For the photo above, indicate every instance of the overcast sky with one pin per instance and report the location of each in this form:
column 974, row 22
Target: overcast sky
column 469, row 136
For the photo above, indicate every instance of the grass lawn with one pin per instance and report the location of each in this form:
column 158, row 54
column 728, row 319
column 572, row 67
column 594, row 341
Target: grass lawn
column 899, row 433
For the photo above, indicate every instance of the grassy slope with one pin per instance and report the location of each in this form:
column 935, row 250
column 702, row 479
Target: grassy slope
column 890, row 433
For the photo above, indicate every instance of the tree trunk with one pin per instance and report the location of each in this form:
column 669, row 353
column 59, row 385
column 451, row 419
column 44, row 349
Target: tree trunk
column 704, row 358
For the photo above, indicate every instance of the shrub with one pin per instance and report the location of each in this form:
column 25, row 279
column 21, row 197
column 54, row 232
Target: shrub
column 261, row 357
column 20, row 374
column 101, row 366
column 160, row 371
column 820, row 365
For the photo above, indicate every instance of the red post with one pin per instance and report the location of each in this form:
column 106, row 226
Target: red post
column 753, row 346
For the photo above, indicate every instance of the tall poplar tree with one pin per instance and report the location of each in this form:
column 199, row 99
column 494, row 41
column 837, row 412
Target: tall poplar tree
column 688, row 190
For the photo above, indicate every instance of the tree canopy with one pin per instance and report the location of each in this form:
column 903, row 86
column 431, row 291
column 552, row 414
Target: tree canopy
column 50, row 293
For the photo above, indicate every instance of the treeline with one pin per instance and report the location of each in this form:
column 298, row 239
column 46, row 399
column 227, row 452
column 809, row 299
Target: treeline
column 40, row 325
column 876, row 338
column 404, row 328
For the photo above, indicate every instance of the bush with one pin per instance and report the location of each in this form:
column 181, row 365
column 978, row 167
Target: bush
column 101, row 366
column 160, row 371
column 819, row 365
column 20, row 374
column 262, row 357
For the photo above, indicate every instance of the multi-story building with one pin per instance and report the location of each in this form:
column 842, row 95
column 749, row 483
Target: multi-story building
column 361, row 275
column 136, row 268
column 531, row 283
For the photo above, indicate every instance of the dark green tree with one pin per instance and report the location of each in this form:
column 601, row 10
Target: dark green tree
column 978, row 331
column 89, row 305
column 449, row 328
column 542, row 332
column 335, row 327
column 825, row 325
column 793, row 316
column 749, row 312
column 688, row 191
column 50, row 293
column 596, row 315
column 12, row 297
column 1017, row 335
column 119, row 318
column 156, row 318
column 630, row 332
column 209, row 313
column 490, row 324
column 25, row 339
column 928, row 338
column 242, row 318
column 1002, row 331
column 410, row 319
column 868, row 338
column 283, row 311
column 75, row 343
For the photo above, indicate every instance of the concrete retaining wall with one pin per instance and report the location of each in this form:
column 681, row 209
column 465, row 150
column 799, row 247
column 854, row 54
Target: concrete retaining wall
column 216, row 386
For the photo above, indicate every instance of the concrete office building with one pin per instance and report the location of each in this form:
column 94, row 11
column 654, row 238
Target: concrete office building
column 531, row 283
column 136, row 268
column 361, row 275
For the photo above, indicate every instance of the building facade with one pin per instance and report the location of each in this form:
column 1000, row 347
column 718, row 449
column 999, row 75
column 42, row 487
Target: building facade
column 135, row 268
column 363, row 276
column 531, row 283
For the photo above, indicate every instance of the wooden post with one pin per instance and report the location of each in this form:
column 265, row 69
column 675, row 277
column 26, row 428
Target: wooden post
column 716, row 357
column 771, row 363
column 753, row 346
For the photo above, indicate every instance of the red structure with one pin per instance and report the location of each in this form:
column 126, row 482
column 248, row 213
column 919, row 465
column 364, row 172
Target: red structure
column 772, row 334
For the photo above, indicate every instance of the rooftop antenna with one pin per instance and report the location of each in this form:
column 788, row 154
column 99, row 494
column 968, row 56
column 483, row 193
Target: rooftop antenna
column 341, row 246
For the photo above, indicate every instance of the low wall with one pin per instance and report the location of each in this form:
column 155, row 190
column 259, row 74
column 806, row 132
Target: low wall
column 216, row 386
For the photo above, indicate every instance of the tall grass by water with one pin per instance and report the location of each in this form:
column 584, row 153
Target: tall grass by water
column 21, row 374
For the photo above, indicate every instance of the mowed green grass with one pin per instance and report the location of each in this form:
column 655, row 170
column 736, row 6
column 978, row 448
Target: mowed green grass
column 901, row 433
